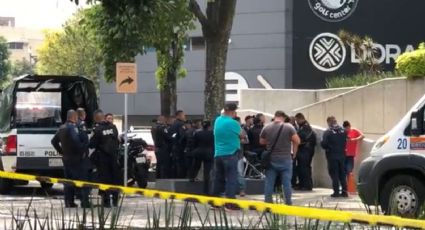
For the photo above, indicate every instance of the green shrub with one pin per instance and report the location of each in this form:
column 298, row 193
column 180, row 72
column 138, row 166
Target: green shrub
column 356, row 80
column 412, row 64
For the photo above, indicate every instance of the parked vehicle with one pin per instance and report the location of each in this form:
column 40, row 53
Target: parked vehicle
column 138, row 163
column 32, row 108
column 394, row 175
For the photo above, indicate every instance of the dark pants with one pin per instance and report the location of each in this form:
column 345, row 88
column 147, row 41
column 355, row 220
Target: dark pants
column 205, row 158
column 189, row 162
column 163, row 165
column 226, row 176
column 76, row 172
column 304, row 159
column 109, row 172
column 179, row 164
column 295, row 178
column 349, row 165
column 336, row 168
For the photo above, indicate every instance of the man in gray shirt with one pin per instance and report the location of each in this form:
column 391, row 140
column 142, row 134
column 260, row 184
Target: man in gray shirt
column 287, row 141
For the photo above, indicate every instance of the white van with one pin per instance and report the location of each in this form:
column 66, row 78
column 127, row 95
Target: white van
column 31, row 110
column 394, row 175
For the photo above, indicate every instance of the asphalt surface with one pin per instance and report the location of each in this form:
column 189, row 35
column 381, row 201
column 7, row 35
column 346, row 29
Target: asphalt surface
column 28, row 202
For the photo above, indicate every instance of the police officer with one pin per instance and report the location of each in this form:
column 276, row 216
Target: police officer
column 72, row 144
column 81, row 123
column 189, row 134
column 82, row 127
column 203, row 153
column 162, row 142
column 334, row 142
column 254, row 137
column 305, row 152
column 178, row 134
column 105, row 142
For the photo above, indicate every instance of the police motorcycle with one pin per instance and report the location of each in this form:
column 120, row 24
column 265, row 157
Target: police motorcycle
column 138, row 163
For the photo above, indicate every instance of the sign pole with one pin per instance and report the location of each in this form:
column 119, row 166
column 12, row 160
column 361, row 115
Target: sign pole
column 126, row 82
column 125, row 140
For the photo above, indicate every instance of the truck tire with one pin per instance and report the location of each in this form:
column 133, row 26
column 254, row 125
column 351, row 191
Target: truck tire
column 5, row 186
column 402, row 195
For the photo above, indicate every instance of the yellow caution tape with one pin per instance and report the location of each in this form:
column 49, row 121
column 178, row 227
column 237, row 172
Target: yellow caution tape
column 304, row 212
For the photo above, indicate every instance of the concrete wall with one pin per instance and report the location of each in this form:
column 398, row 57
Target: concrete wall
column 284, row 99
column 374, row 109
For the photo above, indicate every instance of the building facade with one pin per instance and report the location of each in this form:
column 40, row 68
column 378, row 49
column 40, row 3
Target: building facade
column 23, row 42
column 283, row 44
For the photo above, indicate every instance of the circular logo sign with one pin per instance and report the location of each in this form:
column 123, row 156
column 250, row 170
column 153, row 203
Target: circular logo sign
column 333, row 10
column 327, row 52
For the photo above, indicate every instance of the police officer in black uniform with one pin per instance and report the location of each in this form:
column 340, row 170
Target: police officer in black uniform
column 178, row 135
column 334, row 141
column 305, row 152
column 162, row 142
column 81, row 123
column 203, row 153
column 82, row 127
column 105, row 142
column 72, row 144
column 189, row 134
column 254, row 137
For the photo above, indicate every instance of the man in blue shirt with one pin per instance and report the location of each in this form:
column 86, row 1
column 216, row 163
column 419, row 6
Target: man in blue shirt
column 227, row 145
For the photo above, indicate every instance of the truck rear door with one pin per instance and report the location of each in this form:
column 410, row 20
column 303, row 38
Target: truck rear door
column 38, row 116
column 34, row 150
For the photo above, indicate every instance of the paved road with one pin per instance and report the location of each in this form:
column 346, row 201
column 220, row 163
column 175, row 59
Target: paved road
column 135, row 209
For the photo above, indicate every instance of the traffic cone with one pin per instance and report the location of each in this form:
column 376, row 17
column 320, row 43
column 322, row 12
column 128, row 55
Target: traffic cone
column 351, row 184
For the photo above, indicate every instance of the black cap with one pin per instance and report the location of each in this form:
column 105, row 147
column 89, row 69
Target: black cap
column 230, row 107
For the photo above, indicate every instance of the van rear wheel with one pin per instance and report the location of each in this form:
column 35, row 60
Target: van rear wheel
column 5, row 186
column 403, row 195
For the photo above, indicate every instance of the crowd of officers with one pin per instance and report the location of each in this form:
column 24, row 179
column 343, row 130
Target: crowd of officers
column 182, row 146
column 179, row 144
column 89, row 156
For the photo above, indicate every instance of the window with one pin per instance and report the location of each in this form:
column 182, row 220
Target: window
column 186, row 45
column 198, row 43
column 194, row 43
column 16, row 45
column 37, row 108
column 149, row 49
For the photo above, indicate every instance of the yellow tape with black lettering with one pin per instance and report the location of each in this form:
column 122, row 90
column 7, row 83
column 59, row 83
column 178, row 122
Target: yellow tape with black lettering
column 304, row 212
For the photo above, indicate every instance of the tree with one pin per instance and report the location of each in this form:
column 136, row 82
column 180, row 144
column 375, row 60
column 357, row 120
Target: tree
column 127, row 21
column 216, row 25
column 71, row 51
column 365, row 51
column 126, row 28
column 4, row 60
column 20, row 67
column 169, row 44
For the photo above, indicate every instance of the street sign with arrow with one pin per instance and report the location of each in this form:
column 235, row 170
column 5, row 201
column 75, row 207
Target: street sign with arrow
column 126, row 82
column 126, row 79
